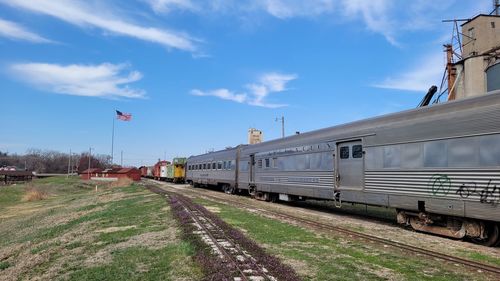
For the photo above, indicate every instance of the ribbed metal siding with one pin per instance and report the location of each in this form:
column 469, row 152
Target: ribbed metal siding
column 427, row 184
column 297, row 178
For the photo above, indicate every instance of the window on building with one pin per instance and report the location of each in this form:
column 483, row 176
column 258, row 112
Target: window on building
column 492, row 24
column 471, row 34
column 344, row 152
column 357, row 151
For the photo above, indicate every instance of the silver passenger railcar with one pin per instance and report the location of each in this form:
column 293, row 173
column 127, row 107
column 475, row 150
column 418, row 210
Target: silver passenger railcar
column 438, row 166
column 216, row 168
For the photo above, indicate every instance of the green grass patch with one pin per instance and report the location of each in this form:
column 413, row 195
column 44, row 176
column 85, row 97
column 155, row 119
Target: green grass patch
column 480, row 257
column 10, row 195
column 332, row 257
column 4, row 265
column 63, row 235
column 138, row 263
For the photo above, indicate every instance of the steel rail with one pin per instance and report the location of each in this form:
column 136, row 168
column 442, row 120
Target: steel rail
column 188, row 206
column 385, row 241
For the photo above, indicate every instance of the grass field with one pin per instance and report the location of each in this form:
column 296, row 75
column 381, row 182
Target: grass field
column 59, row 228
column 329, row 257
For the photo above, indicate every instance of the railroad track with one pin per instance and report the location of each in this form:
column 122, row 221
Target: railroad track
column 331, row 228
column 367, row 237
column 223, row 246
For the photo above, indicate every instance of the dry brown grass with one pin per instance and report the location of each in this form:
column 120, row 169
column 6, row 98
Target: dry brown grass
column 121, row 182
column 34, row 194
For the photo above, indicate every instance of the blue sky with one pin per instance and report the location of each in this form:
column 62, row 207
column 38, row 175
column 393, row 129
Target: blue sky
column 196, row 75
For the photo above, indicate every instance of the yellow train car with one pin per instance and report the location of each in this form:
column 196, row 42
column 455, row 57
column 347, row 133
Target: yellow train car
column 179, row 170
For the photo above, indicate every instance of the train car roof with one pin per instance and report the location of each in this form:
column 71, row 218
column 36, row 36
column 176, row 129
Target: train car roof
column 365, row 126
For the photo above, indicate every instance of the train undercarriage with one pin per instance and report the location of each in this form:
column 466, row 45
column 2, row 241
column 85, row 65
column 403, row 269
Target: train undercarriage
column 485, row 233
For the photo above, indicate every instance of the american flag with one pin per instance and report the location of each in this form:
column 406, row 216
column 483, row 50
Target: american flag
column 123, row 116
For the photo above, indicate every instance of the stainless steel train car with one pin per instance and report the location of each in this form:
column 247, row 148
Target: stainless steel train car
column 215, row 168
column 439, row 166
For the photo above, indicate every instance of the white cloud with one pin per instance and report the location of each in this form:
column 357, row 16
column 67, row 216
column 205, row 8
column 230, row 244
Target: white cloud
column 81, row 13
column 375, row 14
column 103, row 80
column 284, row 9
column 257, row 92
column 390, row 18
column 15, row 31
column 224, row 94
column 165, row 6
column 419, row 78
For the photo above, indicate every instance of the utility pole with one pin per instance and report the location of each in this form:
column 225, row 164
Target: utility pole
column 69, row 162
column 90, row 155
column 282, row 125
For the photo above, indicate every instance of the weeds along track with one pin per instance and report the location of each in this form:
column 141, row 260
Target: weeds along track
column 240, row 261
column 223, row 198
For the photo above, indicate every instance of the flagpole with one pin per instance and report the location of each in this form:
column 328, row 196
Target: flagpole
column 112, row 140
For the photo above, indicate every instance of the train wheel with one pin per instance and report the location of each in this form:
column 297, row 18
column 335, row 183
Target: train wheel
column 497, row 244
column 493, row 233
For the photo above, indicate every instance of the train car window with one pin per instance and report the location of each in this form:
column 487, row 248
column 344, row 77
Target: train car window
column 259, row 164
column 463, row 152
column 300, row 162
column 435, row 154
column 315, row 160
column 357, row 151
column 204, row 166
column 229, row 165
column 344, row 152
column 327, row 161
column 213, row 166
column 288, row 163
column 392, row 156
column 268, row 163
column 219, row 165
column 224, row 165
column 275, row 162
column 489, row 150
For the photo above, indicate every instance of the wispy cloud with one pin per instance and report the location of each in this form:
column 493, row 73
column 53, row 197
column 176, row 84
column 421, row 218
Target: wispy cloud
column 103, row 80
column 224, row 94
column 15, row 31
column 165, row 6
column 375, row 14
column 256, row 93
column 83, row 14
column 419, row 78
column 389, row 18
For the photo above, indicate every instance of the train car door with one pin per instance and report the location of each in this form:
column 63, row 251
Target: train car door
column 349, row 158
column 252, row 169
